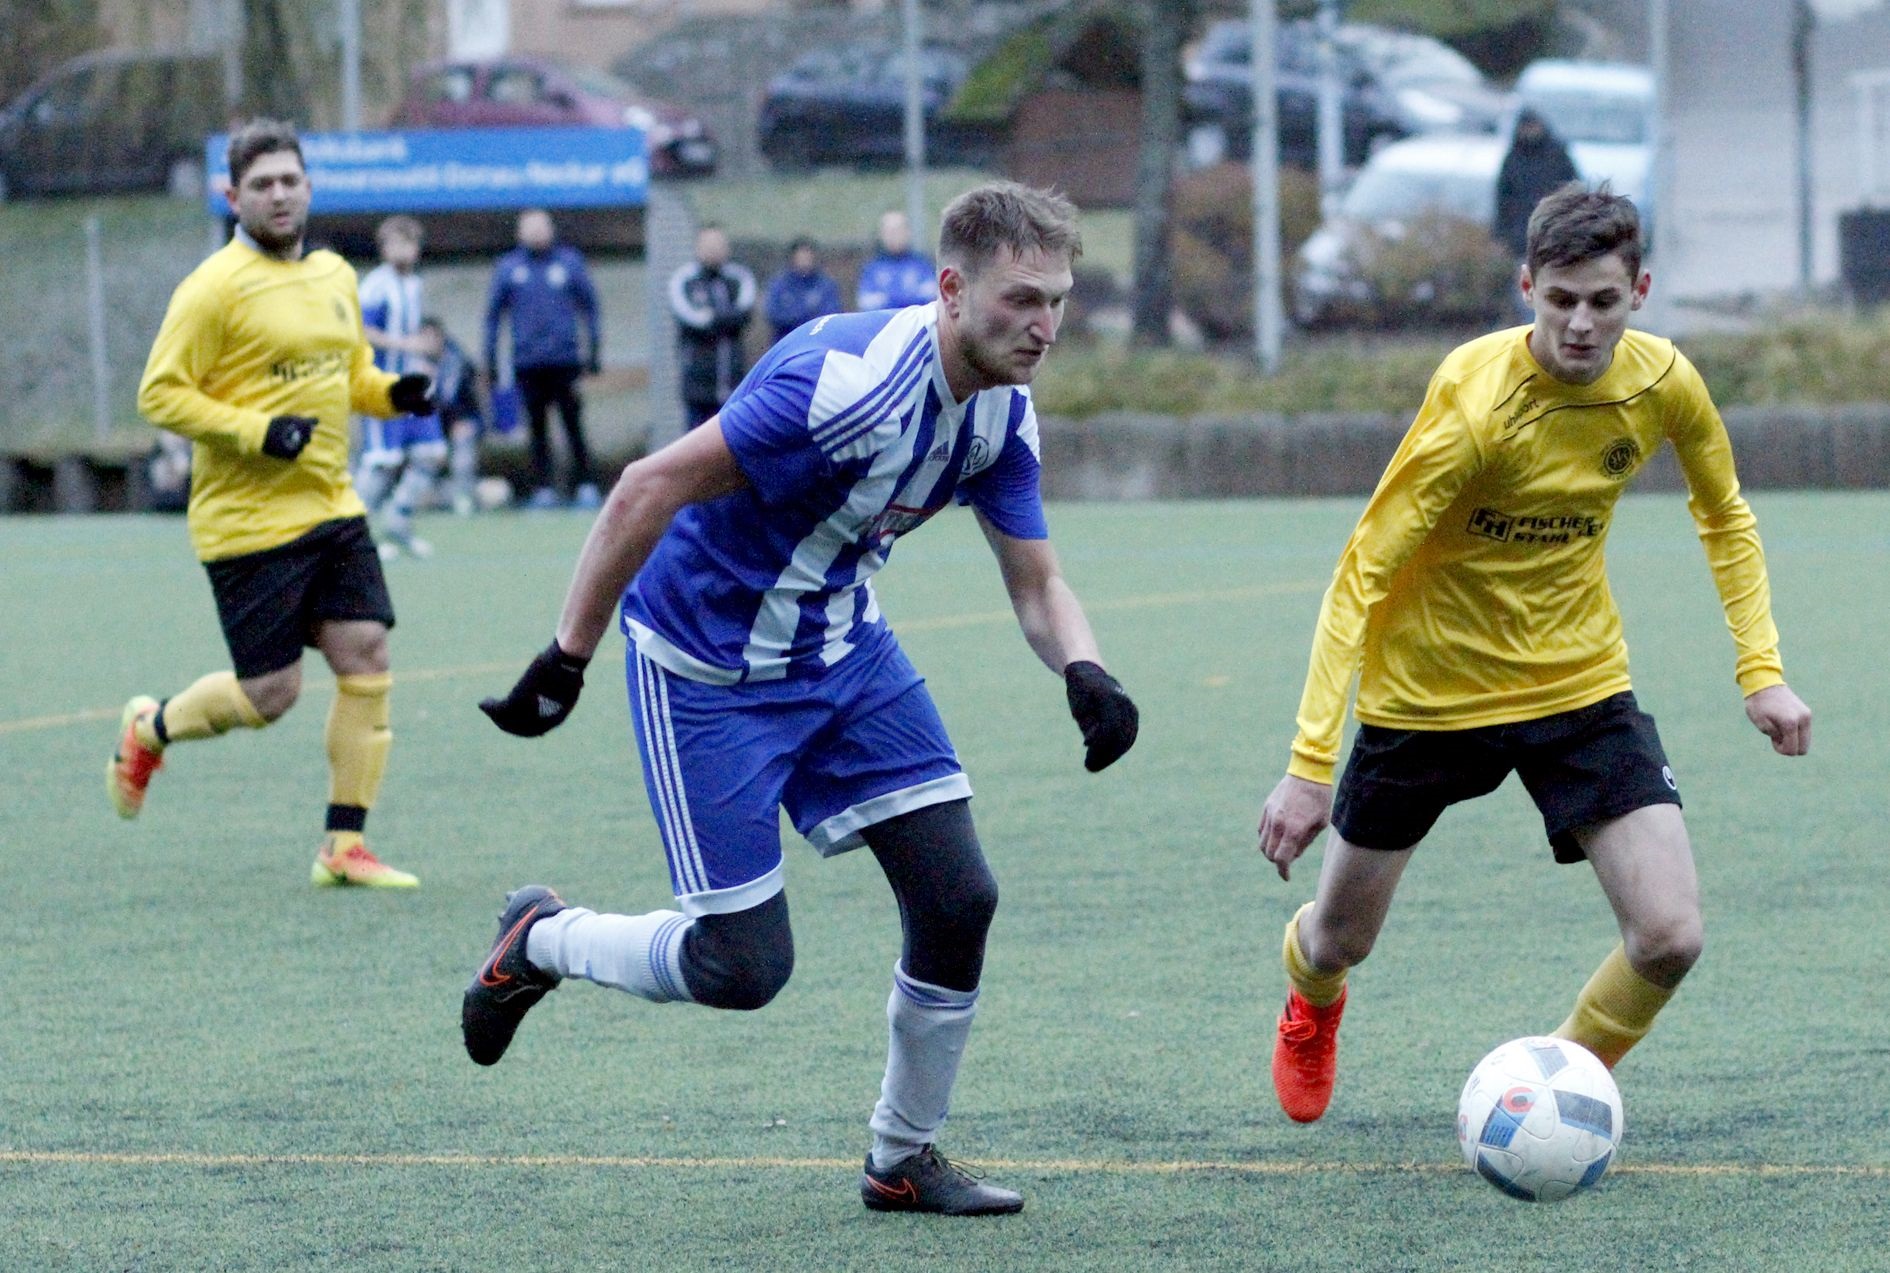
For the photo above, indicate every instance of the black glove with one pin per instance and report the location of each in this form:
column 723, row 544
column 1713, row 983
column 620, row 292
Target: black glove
column 412, row 394
column 1103, row 712
column 543, row 697
column 288, row 434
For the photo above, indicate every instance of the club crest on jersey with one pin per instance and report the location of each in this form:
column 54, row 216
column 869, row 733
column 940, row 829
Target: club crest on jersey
column 1620, row 458
column 978, row 458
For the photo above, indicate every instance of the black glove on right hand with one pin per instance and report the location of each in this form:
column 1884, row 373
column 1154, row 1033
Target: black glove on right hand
column 1103, row 711
column 543, row 697
column 288, row 434
column 412, row 394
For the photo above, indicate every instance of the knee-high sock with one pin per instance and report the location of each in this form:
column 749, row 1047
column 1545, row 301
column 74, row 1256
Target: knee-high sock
column 638, row 953
column 1615, row 1010
column 358, row 739
column 417, row 481
column 1320, row 989
column 372, row 482
column 212, row 705
column 928, row 1028
column 465, row 465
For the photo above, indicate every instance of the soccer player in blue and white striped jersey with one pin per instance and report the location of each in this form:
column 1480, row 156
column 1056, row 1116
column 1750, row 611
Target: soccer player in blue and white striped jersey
column 762, row 675
column 401, row 459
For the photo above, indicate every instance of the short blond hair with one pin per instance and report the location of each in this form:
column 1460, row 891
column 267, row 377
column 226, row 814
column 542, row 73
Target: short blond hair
column 402, row 225
column 1007, row 214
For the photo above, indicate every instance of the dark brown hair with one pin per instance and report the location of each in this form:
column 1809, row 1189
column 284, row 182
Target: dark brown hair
column 257, row 138
column 1576, row 224
column 1004, row 214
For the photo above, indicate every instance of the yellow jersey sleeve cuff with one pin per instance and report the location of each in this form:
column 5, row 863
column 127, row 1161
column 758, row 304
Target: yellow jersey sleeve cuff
column 1311, row 769
column 1752, row 680
column 254, row 432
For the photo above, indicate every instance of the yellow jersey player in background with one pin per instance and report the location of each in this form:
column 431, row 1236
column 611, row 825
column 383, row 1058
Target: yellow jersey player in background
column 260, row 360
column 1472, row 603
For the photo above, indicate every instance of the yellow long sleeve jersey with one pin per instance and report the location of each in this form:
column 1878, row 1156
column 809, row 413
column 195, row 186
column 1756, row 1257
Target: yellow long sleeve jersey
column 1473, row 590
column 247, row 338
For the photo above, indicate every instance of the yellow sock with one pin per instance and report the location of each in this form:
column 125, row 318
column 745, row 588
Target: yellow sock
column 214, row 704
column 1615, row 1010
column 1320, row 989
column 358, row 739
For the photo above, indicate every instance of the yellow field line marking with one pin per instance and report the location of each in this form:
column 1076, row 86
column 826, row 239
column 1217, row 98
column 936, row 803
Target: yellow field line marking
column 938, row 623
column 1066, row 1166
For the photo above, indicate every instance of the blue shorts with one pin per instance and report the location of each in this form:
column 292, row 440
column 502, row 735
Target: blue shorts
column 386, row 440
column 856, row 745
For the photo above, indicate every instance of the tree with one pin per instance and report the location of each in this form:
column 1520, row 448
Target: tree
column 41, row 34
column 1165, row 25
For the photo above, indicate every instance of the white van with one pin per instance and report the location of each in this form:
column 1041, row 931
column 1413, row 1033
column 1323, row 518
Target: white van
column 1604, row 113
column 1444, row 174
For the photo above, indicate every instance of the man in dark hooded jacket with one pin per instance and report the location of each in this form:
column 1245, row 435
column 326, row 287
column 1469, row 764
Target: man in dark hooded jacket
column 1537, row 164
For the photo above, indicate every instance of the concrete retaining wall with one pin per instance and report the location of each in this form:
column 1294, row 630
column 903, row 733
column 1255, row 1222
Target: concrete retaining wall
column 1158, row 457
column 1128, row 457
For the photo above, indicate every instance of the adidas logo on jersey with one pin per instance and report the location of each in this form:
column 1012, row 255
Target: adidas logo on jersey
column 549, row 706
column 943, row 451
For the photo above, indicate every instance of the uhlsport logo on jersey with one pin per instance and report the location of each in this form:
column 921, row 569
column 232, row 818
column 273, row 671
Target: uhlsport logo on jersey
column 1620, row 458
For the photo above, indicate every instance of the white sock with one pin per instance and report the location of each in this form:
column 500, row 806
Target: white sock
column 638, row 953
column 928, row 1028
column 465, row 467
column 372, row 483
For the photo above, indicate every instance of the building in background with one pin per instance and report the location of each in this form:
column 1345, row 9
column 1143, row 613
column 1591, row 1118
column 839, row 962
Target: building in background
column 1729, row 226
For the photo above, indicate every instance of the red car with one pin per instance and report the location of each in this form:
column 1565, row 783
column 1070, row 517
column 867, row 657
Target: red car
column 516, row 91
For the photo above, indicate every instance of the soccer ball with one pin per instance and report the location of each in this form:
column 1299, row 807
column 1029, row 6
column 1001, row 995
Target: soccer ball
column 1540, row 1119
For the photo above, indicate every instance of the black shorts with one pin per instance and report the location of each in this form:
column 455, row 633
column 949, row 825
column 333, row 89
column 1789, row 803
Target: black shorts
column 1580, row 767
column 271, row 602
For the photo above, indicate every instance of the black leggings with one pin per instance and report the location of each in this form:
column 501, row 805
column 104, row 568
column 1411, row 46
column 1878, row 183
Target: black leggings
column 543, row 388
column 946, row 898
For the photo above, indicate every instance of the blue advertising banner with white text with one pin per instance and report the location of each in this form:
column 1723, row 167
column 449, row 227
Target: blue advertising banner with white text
column 462, row 170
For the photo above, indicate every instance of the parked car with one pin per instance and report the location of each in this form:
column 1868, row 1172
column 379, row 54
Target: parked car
column 109, row 122
column 846, row 104
column 1604, row 114
column 515, row 91
column 1393, row 84
column 1446, row 184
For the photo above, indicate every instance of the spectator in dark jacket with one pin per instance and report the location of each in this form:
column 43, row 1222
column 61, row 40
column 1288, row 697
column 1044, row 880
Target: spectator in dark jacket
column 1537, row 165
column 712, row 300
column 545, row 289
column 900, row 275
column 803, row 291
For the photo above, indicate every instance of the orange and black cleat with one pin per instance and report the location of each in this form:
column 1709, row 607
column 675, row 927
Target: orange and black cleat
column 1306, row 1056
column 128, row 775
column 930, row 1182
column 507, row 984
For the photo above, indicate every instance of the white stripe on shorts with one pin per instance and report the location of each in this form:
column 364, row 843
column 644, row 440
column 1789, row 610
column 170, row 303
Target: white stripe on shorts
column 672, row 798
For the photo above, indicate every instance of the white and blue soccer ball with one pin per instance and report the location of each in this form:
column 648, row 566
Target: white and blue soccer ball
column 1540, row 1119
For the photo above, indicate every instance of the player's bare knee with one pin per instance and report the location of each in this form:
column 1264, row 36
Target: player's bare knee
column 1331, row 942
column 1665, row 951
column 274, row 694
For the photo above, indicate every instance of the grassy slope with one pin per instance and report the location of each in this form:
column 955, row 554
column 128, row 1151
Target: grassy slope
column 176, row 988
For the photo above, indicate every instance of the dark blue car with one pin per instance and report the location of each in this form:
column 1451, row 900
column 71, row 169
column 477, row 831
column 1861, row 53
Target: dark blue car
column 847, row 105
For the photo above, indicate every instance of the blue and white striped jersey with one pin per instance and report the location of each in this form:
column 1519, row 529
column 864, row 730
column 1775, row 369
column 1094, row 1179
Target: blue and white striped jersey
column 392, row 302
column 849, row 438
